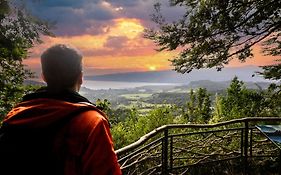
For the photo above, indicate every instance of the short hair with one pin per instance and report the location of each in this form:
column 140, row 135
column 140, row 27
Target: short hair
column 61, row 66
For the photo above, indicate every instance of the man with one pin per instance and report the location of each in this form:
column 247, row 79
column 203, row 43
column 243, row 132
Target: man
column 60, row 131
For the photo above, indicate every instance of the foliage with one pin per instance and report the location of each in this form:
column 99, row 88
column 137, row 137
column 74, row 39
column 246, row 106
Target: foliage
column 239, row 102
column 135, row 126
column 272, row 72
column 273, row 94
column 115, row 116
column 273, row 101
column 213, row 32
column 218, row 110
column 19, row 31
column 198, row 108
column 104, row 105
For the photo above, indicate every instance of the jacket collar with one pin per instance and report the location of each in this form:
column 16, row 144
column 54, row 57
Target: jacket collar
column 64, row 95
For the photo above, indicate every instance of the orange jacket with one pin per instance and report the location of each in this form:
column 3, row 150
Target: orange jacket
column 86, row 134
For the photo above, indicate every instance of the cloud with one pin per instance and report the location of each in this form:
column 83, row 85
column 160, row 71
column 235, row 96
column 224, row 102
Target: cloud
column 73, row 17
column 122, row 37
column 99, row 11
column 124, row 3
column 76, row 17
column 61, row 3
column 116, row 42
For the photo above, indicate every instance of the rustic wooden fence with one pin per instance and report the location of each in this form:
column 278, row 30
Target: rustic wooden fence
column 231, row 147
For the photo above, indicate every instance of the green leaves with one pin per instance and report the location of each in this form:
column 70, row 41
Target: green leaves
column 4, row 8
column 198, row 108
column 19, row 31
column 213, row 32
column 240, row 102
column 272, row 72
column 135, row 125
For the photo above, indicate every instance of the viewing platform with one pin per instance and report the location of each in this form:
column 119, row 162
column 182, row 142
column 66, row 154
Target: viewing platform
column 234, row 147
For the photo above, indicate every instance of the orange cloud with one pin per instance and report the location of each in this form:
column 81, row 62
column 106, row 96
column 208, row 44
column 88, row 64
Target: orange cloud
column 122, row 47
column 259, row 58
column 129, row 28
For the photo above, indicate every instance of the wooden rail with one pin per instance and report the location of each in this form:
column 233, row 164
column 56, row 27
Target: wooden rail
column 156, row 131
column 180, row 148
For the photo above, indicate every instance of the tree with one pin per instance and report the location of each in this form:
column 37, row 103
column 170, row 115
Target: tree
column 238, row 102
column 19, row 31
column 213, row 32
column 115, row 116
column 218, row 110
column 273, row 94
column 136, row 125
column 272, row 72
column 199, row 106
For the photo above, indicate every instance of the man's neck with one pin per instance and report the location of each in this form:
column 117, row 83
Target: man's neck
column 65, row 95
column 57, row 89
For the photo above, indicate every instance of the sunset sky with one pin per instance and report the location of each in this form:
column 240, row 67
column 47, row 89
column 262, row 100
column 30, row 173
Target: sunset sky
column 109, row 34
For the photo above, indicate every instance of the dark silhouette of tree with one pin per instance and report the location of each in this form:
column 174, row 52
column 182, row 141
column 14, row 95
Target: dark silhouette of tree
column 273, row 95
column 213, row 32
column 19, row 31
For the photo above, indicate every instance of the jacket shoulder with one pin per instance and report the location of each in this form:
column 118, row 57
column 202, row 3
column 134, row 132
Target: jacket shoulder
column 77, row 131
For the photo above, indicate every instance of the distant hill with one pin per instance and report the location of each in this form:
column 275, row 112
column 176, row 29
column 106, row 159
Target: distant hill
column 33, row 82
column 227, row 74
column 222, row 85
column 160, row 93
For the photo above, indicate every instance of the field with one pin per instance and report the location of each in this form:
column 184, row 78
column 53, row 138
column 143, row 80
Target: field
column 148, row 97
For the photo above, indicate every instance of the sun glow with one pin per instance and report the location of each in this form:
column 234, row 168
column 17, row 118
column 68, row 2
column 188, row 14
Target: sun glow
column 131, row 28
column 152, row 68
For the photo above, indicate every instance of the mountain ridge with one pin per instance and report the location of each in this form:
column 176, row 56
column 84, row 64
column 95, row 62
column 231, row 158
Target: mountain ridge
column 246, row 73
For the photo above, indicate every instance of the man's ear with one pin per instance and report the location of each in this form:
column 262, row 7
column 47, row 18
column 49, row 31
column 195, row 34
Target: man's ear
column 80, row 80
column 43, row 77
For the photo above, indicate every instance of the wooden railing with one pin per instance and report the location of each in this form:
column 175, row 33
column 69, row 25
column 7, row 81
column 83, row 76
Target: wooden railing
column 231, row 147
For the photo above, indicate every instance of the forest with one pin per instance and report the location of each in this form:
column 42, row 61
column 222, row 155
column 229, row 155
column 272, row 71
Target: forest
column 134, row 113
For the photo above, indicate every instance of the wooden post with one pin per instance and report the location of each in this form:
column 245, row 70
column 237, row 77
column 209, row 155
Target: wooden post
column 171, row 152
column 165, row 153
column 279, row 168
column 246, row 163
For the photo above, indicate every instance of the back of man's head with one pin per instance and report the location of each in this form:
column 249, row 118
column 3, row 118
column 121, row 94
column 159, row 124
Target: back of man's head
column 61, row 66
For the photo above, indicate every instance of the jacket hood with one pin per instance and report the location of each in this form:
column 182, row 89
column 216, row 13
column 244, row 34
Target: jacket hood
column 43, row 113
column 44, row 108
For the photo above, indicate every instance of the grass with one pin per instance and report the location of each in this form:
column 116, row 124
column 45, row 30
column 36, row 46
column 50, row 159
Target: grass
column 135, row 96
column 178, row 90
